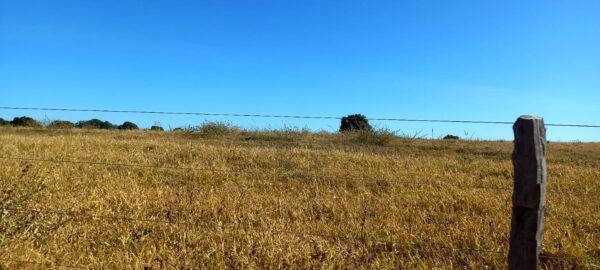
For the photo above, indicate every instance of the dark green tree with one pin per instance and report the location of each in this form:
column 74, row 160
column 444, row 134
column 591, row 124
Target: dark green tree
column 451, row 137
column 157, row 128
column 4, row 122
column 60, row 124
column 25, row 121
column 95, row 123
column 355, row 122
column 128, row 126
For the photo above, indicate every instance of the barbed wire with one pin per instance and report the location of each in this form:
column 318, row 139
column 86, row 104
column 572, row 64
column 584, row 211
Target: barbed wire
column 438, row 184
column 285, row 116
column 130, row 219
column 305, row 176
column 69, row 266
column 116, row 218
column 441, row 246
column 432, row 244
column 429, row 244
column 104, row 217
column 98, row 163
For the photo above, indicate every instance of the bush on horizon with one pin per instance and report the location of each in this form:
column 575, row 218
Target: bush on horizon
column 157, row 128
column 95, row 124
column 451, row 137
column 4, row 122
column 61, row 124
column 128, row 126
column 355, row 122
column 25, row 121
column 214, row 129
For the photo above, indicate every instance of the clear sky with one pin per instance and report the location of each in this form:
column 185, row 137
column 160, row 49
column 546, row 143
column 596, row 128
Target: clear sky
column 475, row 60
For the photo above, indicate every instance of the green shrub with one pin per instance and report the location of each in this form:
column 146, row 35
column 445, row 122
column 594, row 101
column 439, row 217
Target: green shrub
column 451, row 137
column 380, row 137
column 25, row 121
column 128, row 126
column 355, row 122
column 4, row 122
column 95, row 123
column 157, row 128
column 215, row 129
column 59, row 124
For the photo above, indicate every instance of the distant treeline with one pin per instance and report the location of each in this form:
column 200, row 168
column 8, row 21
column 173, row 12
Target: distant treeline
column 25, row 121
column 351, row 123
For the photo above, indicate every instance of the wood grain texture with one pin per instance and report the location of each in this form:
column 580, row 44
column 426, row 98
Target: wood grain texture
column 529, row 192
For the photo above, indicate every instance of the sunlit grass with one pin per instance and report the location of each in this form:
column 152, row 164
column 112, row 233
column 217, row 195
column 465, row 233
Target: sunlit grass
column 281, row 199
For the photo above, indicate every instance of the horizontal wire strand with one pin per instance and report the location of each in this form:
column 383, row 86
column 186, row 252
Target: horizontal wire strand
column 118, row 218
column 305, row 176
column 69, row 266
column 427, row 243
column 103, row 217
column 286, row 116
column 246, row 172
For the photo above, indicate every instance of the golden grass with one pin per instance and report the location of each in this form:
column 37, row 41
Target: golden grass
column 398, row 204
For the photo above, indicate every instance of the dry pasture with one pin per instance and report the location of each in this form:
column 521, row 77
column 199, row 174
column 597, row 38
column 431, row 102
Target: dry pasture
column 279, row 199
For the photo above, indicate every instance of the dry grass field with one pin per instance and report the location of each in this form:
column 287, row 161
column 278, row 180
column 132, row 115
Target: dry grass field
column 279, row 199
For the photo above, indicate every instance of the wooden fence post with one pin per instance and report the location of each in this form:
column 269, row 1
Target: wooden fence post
column 529, row 195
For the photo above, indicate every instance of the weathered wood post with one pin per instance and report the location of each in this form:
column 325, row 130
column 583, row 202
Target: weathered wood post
column 529, row 195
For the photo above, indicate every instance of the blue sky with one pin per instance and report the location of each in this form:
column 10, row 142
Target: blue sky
column 475, row 60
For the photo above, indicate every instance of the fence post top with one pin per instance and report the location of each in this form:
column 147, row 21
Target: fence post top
column 529, row 117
